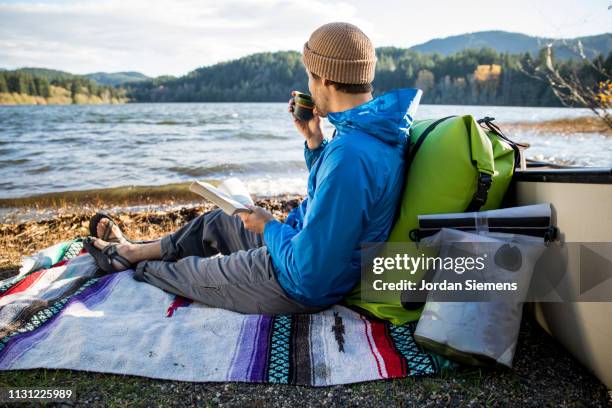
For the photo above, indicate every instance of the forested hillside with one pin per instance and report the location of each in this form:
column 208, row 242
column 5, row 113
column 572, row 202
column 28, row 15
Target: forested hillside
column 468, row 77
column 44, row 86
column 117, row 78
column 264, row 77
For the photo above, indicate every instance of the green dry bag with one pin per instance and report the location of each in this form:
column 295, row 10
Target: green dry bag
column 454, row 164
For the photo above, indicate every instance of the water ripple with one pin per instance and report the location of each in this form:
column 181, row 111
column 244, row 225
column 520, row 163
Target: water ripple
column 76, row 147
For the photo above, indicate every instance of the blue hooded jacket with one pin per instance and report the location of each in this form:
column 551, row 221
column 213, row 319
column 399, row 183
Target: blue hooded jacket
column 354, row 188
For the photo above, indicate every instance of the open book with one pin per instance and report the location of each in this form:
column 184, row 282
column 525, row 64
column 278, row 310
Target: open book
column 231, row 195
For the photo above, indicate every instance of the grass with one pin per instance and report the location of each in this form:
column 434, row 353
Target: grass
column 526, row 385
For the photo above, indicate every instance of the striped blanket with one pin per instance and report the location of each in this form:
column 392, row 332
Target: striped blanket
column 58, row 312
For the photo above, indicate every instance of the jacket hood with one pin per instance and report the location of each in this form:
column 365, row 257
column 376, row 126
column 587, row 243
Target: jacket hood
column 387, row 117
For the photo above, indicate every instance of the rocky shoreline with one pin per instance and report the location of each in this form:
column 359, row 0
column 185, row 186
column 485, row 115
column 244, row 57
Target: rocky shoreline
column 45, row 226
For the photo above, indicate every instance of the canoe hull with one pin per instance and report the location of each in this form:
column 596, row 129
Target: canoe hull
column 582, row 205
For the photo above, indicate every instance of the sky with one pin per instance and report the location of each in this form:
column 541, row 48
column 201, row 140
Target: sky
column 158, row 37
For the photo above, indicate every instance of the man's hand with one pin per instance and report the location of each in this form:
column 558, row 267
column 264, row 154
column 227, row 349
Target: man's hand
column 255, row 221
column 311, row 130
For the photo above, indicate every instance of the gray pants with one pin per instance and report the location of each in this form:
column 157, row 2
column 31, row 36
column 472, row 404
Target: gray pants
column 242, row 280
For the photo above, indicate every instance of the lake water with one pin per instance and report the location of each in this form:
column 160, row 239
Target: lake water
column 58, row 148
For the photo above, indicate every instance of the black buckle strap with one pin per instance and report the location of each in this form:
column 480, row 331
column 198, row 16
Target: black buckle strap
column 482, row 192
column 409, row 153
column 487, row 124
column 552, row 234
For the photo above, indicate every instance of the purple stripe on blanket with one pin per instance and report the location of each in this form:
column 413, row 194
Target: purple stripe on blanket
column 21, row 343
column 260, row 355
column 250, row 358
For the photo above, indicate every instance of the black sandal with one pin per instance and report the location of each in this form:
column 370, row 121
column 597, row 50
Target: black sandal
column 104, row 257
column 93, row 228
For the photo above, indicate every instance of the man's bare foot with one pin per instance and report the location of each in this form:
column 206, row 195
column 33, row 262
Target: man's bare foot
column 115, row 235
column 125, row 250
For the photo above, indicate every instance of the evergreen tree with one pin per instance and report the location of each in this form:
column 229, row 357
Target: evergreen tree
column 74, row 90
column 3, row 84
column 31, row 90
column 43, row 87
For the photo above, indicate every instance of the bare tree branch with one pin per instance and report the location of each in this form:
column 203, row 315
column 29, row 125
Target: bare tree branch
column 572, row 90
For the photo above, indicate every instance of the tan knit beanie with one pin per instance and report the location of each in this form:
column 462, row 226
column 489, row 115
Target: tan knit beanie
column 341, row 53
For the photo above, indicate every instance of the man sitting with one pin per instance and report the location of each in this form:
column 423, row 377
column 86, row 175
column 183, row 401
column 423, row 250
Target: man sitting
column 313, row 259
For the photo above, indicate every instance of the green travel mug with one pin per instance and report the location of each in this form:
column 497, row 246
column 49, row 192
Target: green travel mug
column 303, row 106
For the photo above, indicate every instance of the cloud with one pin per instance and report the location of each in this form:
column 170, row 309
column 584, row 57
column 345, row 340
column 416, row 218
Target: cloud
column 176, row 36
column 156, row 37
